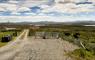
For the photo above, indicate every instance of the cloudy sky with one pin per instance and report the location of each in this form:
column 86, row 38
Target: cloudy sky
column 47, row 10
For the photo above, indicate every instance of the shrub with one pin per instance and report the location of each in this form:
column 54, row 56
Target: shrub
column 82, row 54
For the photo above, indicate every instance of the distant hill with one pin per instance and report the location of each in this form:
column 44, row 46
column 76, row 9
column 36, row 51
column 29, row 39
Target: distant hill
column 53, row 23
column 40, row 23
column 80, row 23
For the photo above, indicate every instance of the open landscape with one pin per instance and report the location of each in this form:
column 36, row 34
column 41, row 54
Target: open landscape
column 47, row 29
column 48, row 42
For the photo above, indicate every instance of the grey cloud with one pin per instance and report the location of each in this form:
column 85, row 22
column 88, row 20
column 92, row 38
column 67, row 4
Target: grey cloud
column 3, row 1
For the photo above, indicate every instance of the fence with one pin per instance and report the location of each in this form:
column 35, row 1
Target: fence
column 47, row 35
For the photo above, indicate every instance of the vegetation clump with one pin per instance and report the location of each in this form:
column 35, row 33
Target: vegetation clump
column 82, row 54
column 7, row 36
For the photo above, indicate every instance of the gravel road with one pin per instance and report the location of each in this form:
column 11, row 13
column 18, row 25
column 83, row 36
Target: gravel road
column 29, row 48
column 48, row 49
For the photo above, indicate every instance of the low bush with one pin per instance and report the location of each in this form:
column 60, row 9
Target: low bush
column 82, row 54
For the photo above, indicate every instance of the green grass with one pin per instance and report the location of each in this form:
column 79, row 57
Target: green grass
column 4, row 34
column 2, row 44
column 81, row 54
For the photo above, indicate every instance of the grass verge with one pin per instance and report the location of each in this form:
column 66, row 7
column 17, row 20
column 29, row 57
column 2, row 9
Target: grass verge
column 81, row 54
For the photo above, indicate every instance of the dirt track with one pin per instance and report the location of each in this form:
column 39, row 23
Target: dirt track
column 9, row 51
column 36, row 49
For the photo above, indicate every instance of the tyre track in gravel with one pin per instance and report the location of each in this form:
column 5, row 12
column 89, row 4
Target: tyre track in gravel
column 45, row 49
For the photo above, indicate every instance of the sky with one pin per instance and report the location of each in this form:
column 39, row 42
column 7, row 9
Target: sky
column 47, row 10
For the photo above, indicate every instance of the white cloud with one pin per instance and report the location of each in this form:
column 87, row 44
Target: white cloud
column 13, row 2
column 69, row 8
column 22, row 9
column 9, row 7
column 2, row 9
column 30, row 3
column 44, row 18
column 44, row 6
column 21, row 6
column 15, row 13
column 92, row 1
column 15, row 7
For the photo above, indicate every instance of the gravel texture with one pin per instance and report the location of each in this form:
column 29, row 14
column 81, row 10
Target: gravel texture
column 30, row 48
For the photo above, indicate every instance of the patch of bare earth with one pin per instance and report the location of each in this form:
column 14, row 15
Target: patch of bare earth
column 45, row 49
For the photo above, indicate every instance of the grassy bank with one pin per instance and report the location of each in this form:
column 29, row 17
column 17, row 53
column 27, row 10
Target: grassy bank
column 5, row 33
column 81, row 54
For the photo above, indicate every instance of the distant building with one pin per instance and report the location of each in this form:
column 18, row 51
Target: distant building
column 34, row 27
column 10, row 28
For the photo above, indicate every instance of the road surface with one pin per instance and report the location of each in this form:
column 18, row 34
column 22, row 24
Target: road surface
column 29, row 48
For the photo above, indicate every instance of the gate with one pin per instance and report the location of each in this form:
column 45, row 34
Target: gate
column 47, row 35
